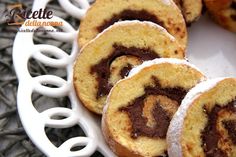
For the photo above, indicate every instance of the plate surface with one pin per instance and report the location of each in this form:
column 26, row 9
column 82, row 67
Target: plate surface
column 211, row 48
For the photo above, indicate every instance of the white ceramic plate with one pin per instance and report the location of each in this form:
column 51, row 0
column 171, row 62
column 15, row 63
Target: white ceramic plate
column 211, row 48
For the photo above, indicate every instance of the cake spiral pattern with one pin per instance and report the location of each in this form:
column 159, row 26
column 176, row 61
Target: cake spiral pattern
column 111, row 55
column 205, row 124
column 139, row 108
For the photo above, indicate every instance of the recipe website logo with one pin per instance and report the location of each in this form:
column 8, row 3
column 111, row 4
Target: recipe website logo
column 18, row 15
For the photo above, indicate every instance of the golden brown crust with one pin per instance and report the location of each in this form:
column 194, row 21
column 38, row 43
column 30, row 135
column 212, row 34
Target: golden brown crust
column 223, row 12
column 191, row 9
column 116, row 147
column 166, row 12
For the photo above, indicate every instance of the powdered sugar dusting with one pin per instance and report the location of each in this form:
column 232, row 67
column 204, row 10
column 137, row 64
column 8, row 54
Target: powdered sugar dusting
column 160, row 61
column 176, row 124
column 167, row 2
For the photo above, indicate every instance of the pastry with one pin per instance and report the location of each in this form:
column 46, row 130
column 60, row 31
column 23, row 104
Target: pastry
column 139, row 108
column 191, row 9
column 104, row 13
column 205, row 123
column 110, row 56
column 223, row 12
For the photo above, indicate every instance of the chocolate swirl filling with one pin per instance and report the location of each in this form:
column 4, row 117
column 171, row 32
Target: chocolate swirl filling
column 102, row 69
column 233, row 5
column 211, row 136
column 125, row 71
column 141, row 15
column 230, row 125
column 233, row 17
column 135, row 109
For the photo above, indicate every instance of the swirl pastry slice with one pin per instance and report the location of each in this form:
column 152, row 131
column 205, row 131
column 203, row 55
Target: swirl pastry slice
column 111, row 55
column 104, row 13
column 205, row 123
column 223, row 12
column 139, row 108
column 191, row 9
